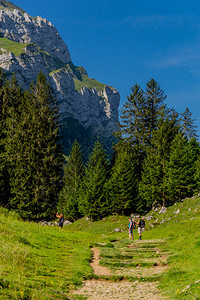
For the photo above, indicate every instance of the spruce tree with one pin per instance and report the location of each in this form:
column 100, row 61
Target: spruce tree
column 121, row 188
column 11, row 97
column 132, row 127
column 154, row 108
column 35, row 153
column 140, row 116
column 152, row 186
column 141, row 113
column 73, row 175
column 92, row 199
column 4, row 176
column 181, row 168
column 188, row 127
column 197, row 175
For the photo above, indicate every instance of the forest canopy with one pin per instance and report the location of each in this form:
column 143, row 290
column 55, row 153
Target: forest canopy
column 155, row 160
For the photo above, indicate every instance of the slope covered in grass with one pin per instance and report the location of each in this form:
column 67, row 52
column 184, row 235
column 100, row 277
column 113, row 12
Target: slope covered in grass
column 40, row 262
column 11, row 46
column 180, row 227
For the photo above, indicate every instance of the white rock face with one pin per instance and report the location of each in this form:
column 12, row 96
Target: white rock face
column 47, row 52
column 22, row 28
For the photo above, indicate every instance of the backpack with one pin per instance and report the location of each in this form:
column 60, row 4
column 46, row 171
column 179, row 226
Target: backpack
column 133, row 225
column 142, row 223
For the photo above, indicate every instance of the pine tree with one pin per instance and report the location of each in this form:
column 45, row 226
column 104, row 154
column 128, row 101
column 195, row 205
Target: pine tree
column 152, row 186
column 141, row 113
column 132, row 127
column 121, row 188
column 4, row 176
column 197, row 175
column 140, row 116
column 92, row 200
column 10, row 102
column 154, row 108
column 188, row 127
column 181, row 169
column 35, row 153
column 73, row 175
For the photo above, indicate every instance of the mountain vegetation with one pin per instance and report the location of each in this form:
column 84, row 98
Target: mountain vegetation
column 31, row 153
column 154, row 163
column 51, row 164
column 43, row 262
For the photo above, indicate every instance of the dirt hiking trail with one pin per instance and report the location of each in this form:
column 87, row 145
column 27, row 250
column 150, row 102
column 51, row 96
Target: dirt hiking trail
column 126, row 271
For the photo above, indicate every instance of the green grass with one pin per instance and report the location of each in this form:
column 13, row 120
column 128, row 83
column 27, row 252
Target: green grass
column 182, row 234
column 39, row 262
column 88, row 82
column 11, row 46
column 76, row 72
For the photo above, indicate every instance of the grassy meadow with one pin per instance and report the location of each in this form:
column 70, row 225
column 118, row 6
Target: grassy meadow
column 90, row 83
column 12, row 46
column 43, row 262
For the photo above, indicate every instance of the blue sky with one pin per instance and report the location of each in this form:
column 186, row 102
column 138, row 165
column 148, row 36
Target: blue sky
column 124, row 42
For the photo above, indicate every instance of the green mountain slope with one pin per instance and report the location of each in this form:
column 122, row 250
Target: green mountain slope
column 11, row 46
column 43, row 261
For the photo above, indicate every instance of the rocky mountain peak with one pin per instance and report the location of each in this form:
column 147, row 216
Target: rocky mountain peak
column 29, row 45
column 7, row 4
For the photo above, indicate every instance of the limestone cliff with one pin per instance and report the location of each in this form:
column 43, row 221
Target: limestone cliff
column 28, row 45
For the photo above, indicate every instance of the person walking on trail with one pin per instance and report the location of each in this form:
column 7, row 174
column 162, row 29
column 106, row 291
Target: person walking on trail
column 139, row 227
column 61, row 220
column 130, row 228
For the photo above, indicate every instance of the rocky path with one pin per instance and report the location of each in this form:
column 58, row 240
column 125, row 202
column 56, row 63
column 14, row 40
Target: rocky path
column 137, row 267
column 98, row 269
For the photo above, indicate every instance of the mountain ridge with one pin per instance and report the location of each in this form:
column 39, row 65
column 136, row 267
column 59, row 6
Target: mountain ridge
column 29, row 45
column 10, row 5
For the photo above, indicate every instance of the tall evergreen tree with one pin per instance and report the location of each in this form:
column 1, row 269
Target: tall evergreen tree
column 10, row 102
column 140, row 116
column 197, row 175
column 73, row 175
column 181, row 168
column 152, row 186
column 121, row 188
column 4, row 178
column 132, row 127
column 92, row 200
column 188, row 127
column 141, row 113
column 154, row 108
column 35, row 153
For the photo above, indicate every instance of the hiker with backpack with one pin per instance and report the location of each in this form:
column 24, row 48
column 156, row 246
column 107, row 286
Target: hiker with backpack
column 141, row 225
column 61, row 220
column 131, row 226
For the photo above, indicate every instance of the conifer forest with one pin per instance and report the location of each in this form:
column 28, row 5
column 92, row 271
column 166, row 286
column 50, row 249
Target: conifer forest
column 155, row 160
